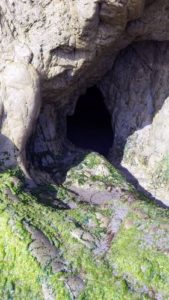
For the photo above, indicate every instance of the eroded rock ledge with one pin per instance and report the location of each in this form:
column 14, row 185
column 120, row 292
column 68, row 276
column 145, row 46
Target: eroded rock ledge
column 52, row 51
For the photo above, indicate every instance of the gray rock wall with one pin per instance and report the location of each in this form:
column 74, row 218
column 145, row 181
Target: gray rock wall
column 137, row 93
column 52, row 51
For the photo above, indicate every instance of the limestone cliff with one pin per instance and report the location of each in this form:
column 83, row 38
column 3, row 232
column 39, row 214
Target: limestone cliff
column 83, row 232
column 51, row 51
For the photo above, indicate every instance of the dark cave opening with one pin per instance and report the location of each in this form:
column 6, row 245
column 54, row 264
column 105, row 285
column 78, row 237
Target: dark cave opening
column 90, row 126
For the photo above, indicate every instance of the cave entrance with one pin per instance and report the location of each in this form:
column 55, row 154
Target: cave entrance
column 90, row 125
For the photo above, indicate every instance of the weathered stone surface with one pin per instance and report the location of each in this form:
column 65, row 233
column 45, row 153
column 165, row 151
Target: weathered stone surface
column 47, row 292
column 75, row 285
column 138, row 100
column 62, row 47
column 20, row 106
column 47, row 253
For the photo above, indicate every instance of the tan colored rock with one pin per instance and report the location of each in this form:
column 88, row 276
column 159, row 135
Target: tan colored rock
column 128, row 224
column 64, row 47
column 21, row 105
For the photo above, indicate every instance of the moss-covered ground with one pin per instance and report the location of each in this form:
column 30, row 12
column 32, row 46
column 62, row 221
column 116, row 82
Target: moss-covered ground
column 56, row 245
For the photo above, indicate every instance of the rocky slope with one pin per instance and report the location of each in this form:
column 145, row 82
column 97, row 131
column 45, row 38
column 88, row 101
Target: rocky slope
column 94, row 237
column 83, row 232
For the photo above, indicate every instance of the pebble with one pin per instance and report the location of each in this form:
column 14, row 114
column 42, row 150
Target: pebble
column 128, row 224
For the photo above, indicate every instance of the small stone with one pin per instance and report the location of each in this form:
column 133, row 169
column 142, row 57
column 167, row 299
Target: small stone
column 109, row 188
column 72, row 204
column 143, row 268
column 99, row 215
column 58, row 266
column 76, row 285
column 77, row 233
column 164, row 226
column 101, row 197
column 16, row 181
column 47, row 292
column 128, row 224
column 104, row 221
column 87, row 237
column 11, row 196
column 101, row 170
column 91, row 223
column 83, row 237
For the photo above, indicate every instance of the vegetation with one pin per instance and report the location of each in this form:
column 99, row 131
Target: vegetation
column 52, row 242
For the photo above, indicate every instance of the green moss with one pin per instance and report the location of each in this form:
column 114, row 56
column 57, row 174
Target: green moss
column 83, row 173
column 19, row 272
column 161, row 175
column 129, row 270
column 143, row 268
column 92, row 160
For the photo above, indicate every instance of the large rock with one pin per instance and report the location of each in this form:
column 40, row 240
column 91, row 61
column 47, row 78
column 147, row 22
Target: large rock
column 138, row 98
column 101, row 240
column 61, row 48
column 20, row 108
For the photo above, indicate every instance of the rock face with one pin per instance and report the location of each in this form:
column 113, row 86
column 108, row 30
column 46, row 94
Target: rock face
column 20, row 105
column 138, row 97
column 51, row 51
